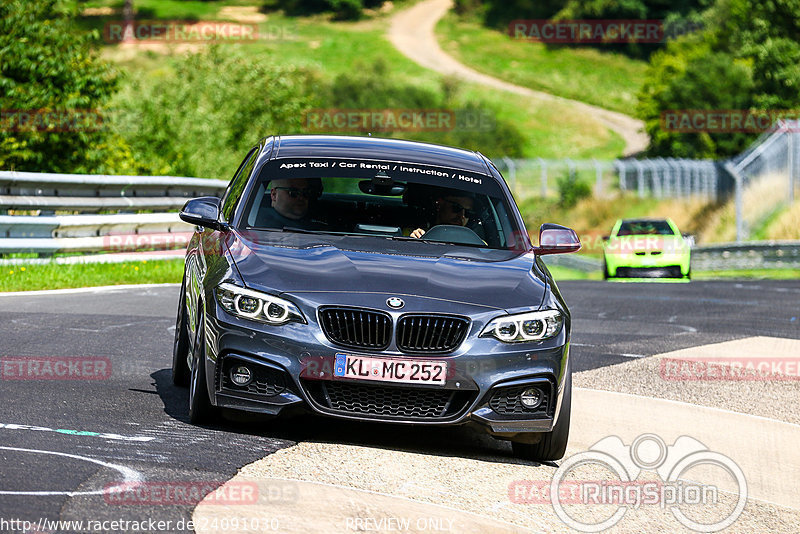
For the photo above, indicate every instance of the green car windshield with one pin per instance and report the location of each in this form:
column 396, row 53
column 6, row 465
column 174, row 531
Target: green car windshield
column 645, row 228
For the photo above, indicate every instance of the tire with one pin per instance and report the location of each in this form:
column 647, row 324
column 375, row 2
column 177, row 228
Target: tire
column 552, row 445
column 605, row 270
column 200, row 408
column 180, row 347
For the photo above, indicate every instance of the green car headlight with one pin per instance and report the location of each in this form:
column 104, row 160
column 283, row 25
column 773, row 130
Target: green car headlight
column 257, row 306
column 524, row 327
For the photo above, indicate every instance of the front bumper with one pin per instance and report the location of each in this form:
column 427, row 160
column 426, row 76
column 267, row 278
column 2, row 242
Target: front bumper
column 293, row 371
column 648, row 265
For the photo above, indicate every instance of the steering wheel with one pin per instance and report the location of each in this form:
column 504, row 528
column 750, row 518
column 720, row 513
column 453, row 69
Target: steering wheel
column 449, row 233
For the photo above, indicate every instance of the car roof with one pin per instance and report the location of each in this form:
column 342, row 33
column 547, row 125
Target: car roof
column 378, row 148
column 645, row 220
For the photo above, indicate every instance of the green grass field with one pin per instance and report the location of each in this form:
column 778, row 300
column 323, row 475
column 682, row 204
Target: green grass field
column 32, row 277
column 608, row 80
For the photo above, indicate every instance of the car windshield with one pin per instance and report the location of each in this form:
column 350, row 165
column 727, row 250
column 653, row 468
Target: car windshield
column 387, row 200
column 645, row 228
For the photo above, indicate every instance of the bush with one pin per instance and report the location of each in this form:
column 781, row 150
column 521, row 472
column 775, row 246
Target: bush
column 199, row 117
column 571, row 189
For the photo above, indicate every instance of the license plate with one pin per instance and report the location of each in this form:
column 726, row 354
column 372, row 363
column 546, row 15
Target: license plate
column 390, row 369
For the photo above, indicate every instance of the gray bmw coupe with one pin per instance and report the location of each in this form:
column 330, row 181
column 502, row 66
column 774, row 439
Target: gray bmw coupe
column 376, row 280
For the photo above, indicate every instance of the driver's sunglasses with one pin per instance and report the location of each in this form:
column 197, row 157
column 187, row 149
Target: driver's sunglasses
column 458, row 208
column 295, row 192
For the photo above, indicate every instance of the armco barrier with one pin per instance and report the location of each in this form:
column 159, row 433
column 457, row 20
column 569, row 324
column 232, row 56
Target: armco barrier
column 47, row 194
column 753, row 255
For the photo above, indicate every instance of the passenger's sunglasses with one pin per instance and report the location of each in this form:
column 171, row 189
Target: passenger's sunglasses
column 458, row 208
column 295, row 192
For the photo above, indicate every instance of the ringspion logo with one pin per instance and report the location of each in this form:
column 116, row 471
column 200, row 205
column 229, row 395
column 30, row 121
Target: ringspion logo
column 597, row 503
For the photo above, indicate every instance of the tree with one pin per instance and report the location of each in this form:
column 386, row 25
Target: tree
column 52, row 89
column 746, row 58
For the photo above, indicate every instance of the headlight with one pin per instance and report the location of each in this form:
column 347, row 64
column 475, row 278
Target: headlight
column 521, row 327
column 257, row 306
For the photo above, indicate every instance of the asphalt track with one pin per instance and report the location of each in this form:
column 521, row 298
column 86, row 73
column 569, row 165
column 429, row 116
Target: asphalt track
column 68, row 440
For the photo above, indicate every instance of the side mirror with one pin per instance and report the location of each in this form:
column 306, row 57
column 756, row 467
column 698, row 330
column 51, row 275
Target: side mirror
column 606, row 237
column 203, row 211
column 557, row 239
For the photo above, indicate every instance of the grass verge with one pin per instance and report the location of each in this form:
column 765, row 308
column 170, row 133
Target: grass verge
column 609, row 80
column 33, row 277
column 565, row 273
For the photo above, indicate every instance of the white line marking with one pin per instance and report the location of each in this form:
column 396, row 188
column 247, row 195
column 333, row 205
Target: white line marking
column 129, row 475
column 98, row 289
column 633, row 355
column 71, row 432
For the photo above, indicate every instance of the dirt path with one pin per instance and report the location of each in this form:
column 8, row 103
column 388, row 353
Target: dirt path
column 412, row 32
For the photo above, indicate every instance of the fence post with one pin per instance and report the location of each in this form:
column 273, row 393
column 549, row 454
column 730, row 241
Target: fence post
column 738, row 180
column 792, row 162
column 640, row 178
column 622, row 170
column 598, row 187
column 512, row 172
column 543, row 165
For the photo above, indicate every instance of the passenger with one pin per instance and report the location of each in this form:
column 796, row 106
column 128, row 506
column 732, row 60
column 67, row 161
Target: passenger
column 455, row 209
column 291, row 201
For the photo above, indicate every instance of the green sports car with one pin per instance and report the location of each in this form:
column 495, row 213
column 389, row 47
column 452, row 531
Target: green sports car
column 646, row 248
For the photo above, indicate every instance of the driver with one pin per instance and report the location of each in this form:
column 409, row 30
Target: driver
column 290, row 202
column 455, row 208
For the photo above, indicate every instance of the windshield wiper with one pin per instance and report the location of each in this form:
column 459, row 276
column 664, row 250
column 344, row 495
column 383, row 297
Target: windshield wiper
column 436, row 242
column 295, row 229
column 416, row 239
column 292, row 229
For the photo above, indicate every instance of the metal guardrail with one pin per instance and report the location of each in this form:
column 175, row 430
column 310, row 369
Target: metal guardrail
column 754, row 255
column 92, row 193
column 48, row 233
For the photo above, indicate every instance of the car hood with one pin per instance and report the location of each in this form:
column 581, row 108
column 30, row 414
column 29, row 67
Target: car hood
column 298, row 263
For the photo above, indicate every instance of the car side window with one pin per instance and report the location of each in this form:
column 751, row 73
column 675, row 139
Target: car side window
column 234, row 192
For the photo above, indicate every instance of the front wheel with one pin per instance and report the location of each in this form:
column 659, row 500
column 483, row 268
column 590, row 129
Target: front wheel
column 552, row 445
column 200, row 408
column 180, row 347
